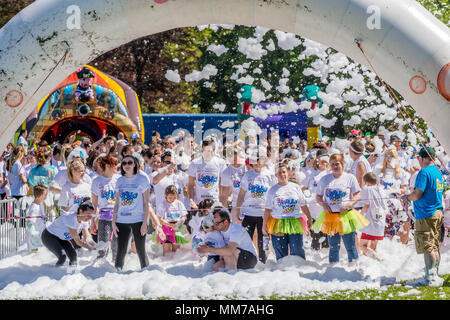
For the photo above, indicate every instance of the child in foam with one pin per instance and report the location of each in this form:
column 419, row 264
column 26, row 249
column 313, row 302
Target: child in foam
column 210, row 237
column 337, row 193
column 36, row 225
column 172, row 214
column 374, row 209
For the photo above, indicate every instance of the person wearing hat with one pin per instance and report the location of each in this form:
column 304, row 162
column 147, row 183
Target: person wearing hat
column 397, row 143
column 84, row 90
column 428, row 211
column 239, row 251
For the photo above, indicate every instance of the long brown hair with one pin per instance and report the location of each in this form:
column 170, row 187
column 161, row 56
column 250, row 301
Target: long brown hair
column 16, row 153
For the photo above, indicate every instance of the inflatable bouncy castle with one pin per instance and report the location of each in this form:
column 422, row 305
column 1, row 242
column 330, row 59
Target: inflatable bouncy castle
column 88, row 103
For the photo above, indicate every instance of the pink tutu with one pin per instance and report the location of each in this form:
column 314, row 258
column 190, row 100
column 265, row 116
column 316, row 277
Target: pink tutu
column 170, row 235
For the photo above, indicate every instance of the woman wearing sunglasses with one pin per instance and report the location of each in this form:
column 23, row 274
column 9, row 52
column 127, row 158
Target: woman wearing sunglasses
column 132, row 210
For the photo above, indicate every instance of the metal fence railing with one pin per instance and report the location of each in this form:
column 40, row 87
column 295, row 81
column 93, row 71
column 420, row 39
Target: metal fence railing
column 12, row 227
column 14, row 222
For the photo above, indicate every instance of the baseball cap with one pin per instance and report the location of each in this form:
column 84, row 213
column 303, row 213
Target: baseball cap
column 425, row 151
column 354, row 131
column 134, row 136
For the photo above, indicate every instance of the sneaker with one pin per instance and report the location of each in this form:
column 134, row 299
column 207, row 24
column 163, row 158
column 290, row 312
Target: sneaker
column 61, row 261
column 434, row 280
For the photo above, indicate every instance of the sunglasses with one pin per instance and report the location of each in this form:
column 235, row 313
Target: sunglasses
column 167, row 162
column 217, row 223
column 124, row 163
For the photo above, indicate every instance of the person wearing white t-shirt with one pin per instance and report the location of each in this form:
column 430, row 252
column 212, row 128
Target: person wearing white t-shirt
column 172, row 215
column 75, row 189
column 394, row 181
column 285, row 205
column 239, row 251
column 374, row 209
column 321, row 168
column 58, row 236
column 16, row 173
column 36, row 223
column 163, row 178
column 231, row 180
column 104, row 198
column 251, row 200
column 4, row 188
column 205, row 174
column 131, row 211
column 337, row 193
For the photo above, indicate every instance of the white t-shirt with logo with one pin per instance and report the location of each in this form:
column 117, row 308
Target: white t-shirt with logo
column 256, row 186
column 72, row 195
column 207, row 175
column 231, row 177
column 60, row 227
column 390, row 182
column 129, row 192
column 337, row 192
column 104, row 189
column 285, row 201
column 172, row 212
column 238, row 234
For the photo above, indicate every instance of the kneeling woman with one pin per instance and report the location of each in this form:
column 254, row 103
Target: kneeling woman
column 284, row 206
column 337, row 193
column 58, row 236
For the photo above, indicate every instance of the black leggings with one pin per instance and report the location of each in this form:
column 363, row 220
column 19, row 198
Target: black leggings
column 250, row 223
column 125, row 230
column 57, row 246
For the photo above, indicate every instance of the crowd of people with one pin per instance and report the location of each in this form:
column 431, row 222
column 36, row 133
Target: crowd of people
column 228, row 199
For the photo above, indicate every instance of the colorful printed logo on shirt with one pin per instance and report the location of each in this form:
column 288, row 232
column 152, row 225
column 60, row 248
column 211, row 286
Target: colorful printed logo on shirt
column 77, row 200
column 109, row 196
column 174, row 216
column 386, row 184
column 127, row 198
column 288, row 205
column 335, row 196
column 207, row 182
column 67, row 236
column 236, row 183
column 256, row 190
column 439, row 184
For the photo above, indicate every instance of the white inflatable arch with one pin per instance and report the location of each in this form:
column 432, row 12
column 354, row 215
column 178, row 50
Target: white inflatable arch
column 407, row 46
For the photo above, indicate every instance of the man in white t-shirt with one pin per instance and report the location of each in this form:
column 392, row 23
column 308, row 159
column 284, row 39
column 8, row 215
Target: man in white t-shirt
column 231, row 179
column 204, row 175
column 239, row 251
